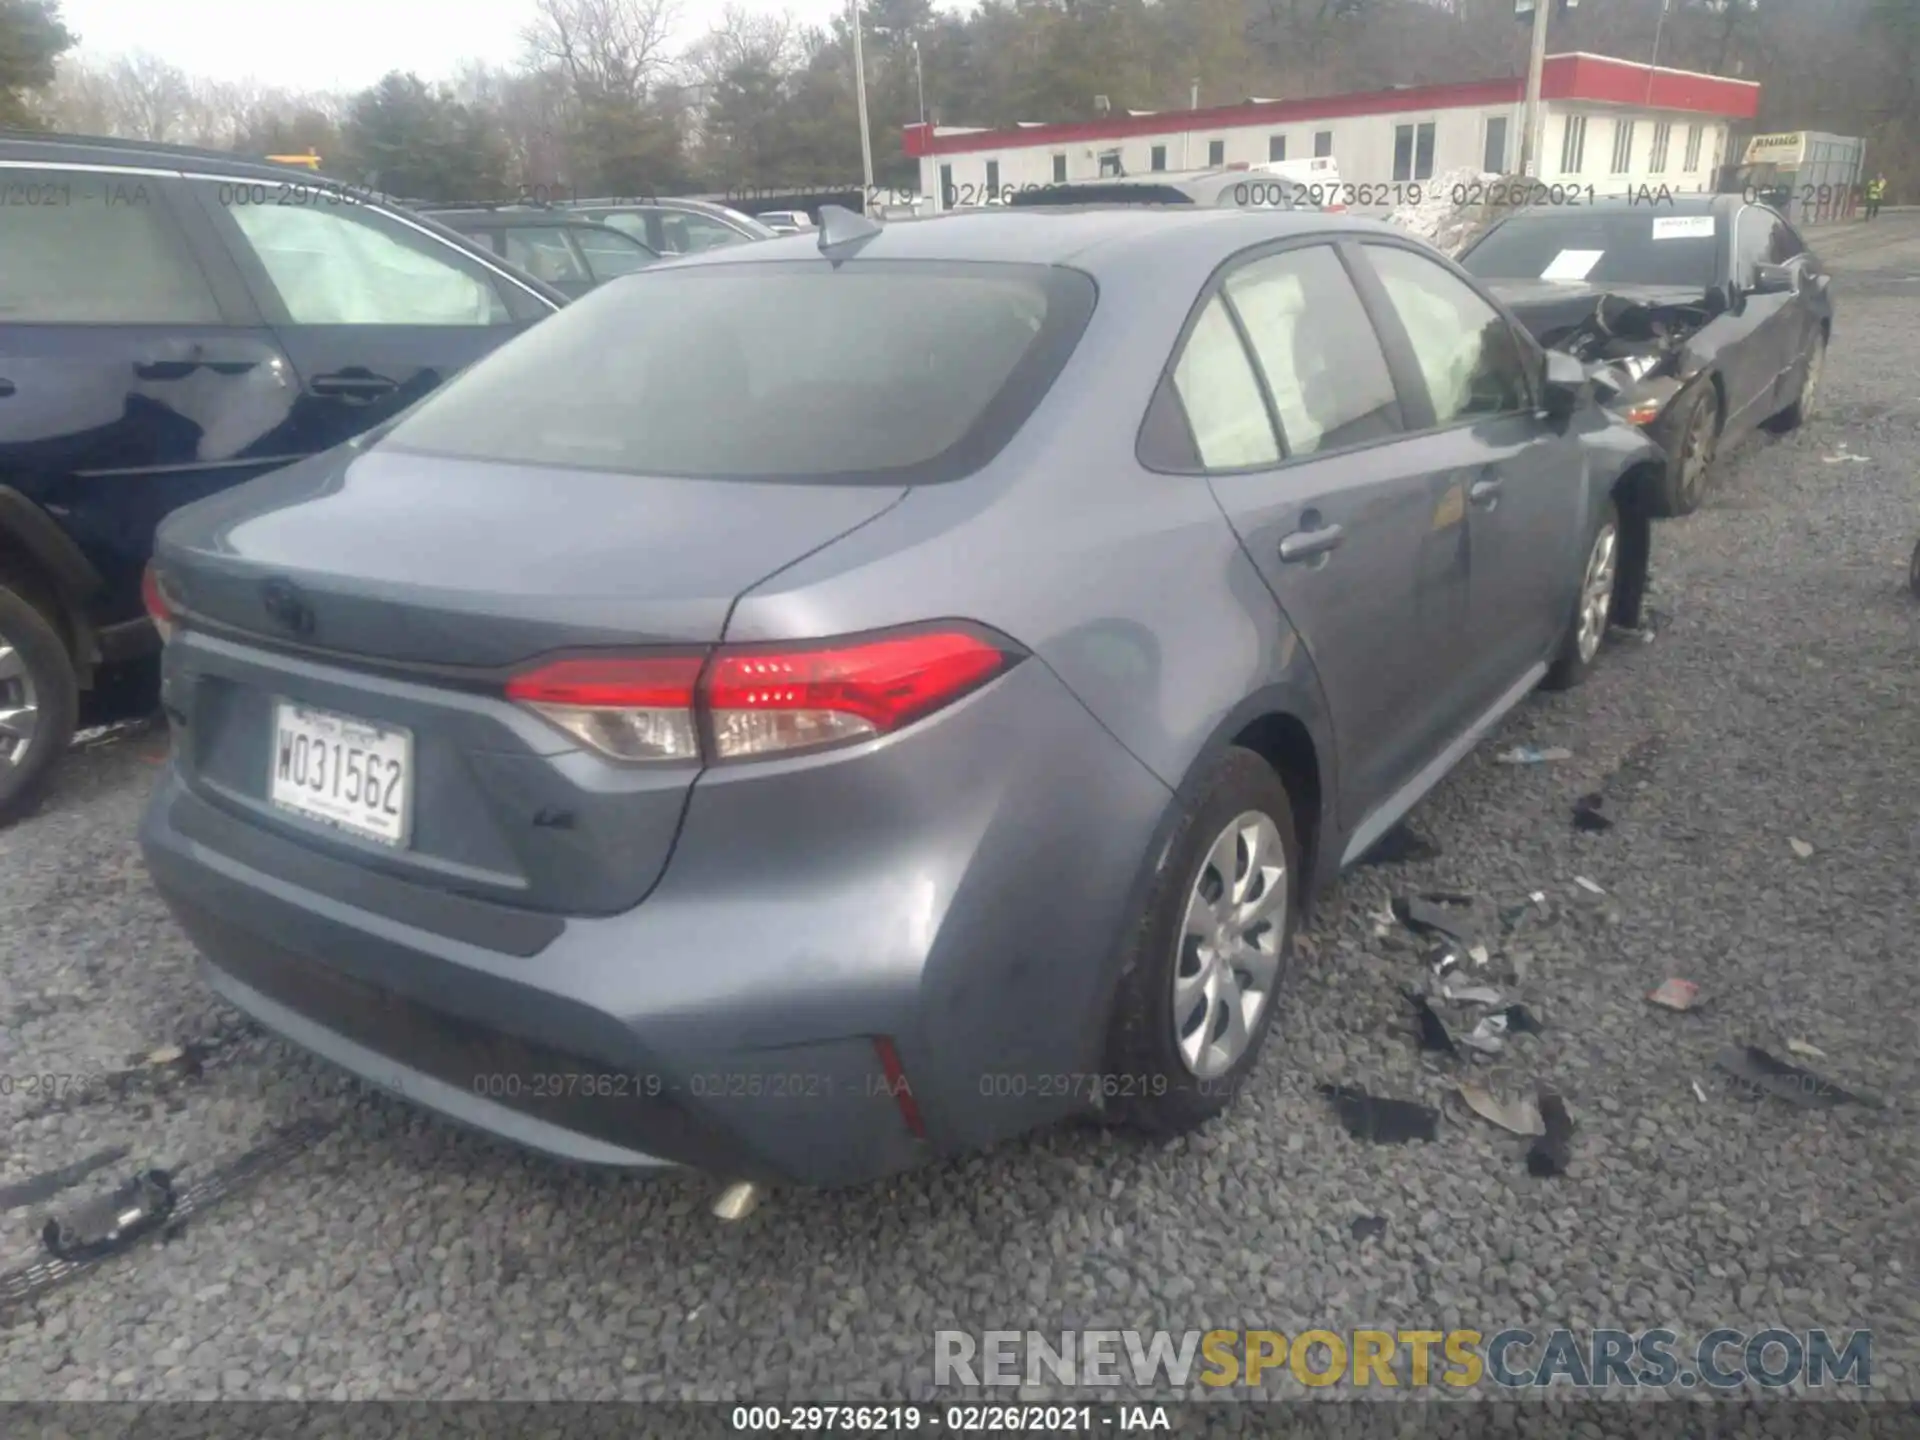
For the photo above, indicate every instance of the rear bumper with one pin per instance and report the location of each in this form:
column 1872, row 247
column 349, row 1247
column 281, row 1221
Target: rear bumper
column 957, row 892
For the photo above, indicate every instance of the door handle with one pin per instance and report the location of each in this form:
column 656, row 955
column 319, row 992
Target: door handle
column 1305, row 544
column 1484, row 492
column 353, row 385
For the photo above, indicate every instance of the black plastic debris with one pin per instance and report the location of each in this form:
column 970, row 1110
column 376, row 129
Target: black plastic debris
column 1382, row 1121
column 1433, row 1030
column 37, row 1189
column 1587, row 816
column 1554, row 1149
column 1401, row 845
column 27, row 1283
column 1426, row 916
column 1443, row 959
column 1369, row 1227
column 1764, row 1073
column 1522, row 1021
column 111, row 1222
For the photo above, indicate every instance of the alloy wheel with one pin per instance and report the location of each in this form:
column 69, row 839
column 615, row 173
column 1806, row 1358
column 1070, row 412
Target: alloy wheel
column 1810, row 388
column 1596, row 591
column 1696, row 451
column 1229, row 945
column 19, row 705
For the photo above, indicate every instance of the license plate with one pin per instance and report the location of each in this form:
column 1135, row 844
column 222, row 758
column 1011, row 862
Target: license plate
column 351, row 774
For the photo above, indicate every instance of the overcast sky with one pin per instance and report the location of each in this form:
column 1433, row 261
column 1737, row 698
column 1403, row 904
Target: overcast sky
column 342, row 44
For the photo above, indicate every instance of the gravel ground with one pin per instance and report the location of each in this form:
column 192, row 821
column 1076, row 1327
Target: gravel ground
column 401, row 1257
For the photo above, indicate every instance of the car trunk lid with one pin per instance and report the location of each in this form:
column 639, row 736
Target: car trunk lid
column 360, row 614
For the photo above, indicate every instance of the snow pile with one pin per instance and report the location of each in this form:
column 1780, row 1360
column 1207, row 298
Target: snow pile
column 1445, row 224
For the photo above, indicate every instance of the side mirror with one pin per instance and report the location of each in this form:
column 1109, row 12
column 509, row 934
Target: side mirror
column 1564, row 384
column 1776, row 280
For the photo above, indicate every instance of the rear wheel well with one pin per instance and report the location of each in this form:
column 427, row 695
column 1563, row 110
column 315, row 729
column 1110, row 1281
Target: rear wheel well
column 1287, row 747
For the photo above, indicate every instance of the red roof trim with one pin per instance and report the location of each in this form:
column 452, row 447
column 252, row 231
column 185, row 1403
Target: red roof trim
column 1566, row 77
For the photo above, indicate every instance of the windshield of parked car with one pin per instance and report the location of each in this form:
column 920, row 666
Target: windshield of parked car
column 795, row 370
column 1641, row 245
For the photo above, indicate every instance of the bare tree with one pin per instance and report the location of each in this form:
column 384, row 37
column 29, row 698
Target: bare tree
column 609, row 49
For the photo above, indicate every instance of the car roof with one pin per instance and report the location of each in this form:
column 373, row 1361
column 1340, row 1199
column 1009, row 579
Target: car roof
column 147, row 154
column 1090, row 237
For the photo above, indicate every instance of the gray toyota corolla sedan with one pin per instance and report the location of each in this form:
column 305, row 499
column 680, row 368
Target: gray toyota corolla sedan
column 817, row 705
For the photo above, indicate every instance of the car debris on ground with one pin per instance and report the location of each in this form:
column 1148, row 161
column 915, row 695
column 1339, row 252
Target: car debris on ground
column 1805, row 1050
column 1759, row 1072
column 1675, row 994
column 1369, row 1227
column 1533, row 755
column 1553, row 1151
column 1521, row 1116
column 1431, row 1030
column 1381, row 1120
column 1801, row 848
column 1587, row 814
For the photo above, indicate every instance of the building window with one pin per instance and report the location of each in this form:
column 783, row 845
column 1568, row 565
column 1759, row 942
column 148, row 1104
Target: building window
column 1622, row 146
column 1413, row 151
column 1110, row 163
column 1216, row 152
column 1157, row 158
column 1059, row 169
column 1573, row 145
column 1322, row 144
column 1662, row 142
column 946, row 187
column 993, row 178
column 1276, row 148
column 1693, row 149
column 1494, row 161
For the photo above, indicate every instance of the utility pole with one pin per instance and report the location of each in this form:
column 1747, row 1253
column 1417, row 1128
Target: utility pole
column 919, row 82
column 1186, row 140
column 1530, row 135
column 860, row 102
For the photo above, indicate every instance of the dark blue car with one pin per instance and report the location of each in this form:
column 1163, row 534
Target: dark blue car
column 173, row 322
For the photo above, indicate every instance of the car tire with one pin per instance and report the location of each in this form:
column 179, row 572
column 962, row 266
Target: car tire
column 1174, row 1059
column 1695, row 432
column 1586, row 630
column 35, row 673
column 1802, row 409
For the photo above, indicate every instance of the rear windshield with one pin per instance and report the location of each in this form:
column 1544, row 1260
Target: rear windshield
column 893, row 371
column 1644, row 245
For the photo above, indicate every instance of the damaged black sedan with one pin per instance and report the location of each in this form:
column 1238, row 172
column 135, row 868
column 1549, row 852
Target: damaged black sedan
column 1710, row 314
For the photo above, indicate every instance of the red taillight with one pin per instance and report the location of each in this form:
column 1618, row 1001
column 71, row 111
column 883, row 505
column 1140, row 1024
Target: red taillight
column 766, row 701
column 155, row 599
column 759, row 700
column 631, row 709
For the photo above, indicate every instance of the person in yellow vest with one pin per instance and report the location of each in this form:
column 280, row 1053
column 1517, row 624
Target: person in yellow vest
column 1876, row 192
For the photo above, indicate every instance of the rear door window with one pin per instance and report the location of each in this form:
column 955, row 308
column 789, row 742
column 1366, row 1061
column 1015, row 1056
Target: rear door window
column 352, row 265
column 1316, row 349
column 770, row 371
column 612, row 253
column 86, row 247
column 543, row 252
column 1215, row 381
